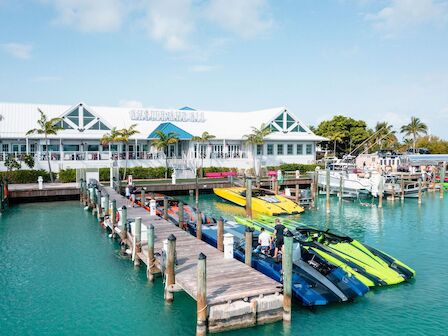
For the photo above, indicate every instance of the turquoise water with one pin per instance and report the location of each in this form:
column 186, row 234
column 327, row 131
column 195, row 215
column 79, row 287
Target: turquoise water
column 61, row 275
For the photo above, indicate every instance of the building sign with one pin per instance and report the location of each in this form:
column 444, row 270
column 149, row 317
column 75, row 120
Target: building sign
column 166, row 115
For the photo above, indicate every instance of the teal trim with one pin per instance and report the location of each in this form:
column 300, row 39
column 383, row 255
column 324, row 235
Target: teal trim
column 169, row 127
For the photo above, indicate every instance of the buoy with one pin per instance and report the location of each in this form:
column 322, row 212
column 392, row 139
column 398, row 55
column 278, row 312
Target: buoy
column 86, row 208
column 110, row 235
column 128, row 251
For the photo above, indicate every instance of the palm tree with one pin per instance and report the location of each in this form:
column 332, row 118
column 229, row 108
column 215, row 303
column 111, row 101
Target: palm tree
column 414, row 129
column 384, row 134
column 336, row 137
column 123, row 136
column 163, row 142
column 46, row 127
column 205, row 137
column 257, row 138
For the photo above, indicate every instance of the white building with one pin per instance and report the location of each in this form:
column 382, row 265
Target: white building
column 78, row 145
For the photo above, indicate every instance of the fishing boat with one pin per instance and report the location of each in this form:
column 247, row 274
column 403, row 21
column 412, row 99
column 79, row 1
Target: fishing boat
column 393, row 186
column 352, row 184
column 263, row 201
column 369, row 265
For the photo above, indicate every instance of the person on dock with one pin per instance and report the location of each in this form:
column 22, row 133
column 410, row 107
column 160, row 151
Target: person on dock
column 127, row 193
column 264, row 242
column 133, row 191
column 279, row 230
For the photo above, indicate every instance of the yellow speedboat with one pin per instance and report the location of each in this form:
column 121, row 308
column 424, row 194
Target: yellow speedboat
column 263, row 201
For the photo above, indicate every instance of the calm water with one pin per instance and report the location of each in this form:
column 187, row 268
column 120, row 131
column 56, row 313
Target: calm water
column 61, row 275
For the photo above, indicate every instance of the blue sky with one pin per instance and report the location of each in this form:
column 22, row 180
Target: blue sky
column 370, row 59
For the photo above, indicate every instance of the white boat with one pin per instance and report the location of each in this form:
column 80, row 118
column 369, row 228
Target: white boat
column 393, row 186
column 352, row 184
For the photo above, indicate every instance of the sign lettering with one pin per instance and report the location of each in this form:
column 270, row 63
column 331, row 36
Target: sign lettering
column 166, row 115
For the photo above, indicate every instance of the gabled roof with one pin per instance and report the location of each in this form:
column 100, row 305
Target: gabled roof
column 187, row 108
column 169, row 127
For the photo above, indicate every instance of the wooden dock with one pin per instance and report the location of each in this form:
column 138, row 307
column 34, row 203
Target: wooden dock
column 31, row 191
column 237, row 295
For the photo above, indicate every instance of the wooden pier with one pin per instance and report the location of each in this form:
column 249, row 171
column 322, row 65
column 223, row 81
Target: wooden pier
column 31, row 192
column 236, row 295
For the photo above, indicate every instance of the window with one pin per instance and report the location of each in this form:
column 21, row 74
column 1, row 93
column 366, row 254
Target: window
column 15, row 148
column 259, row 149
column 309, row 149
column 299, row 149
column 270, row 149
column 290, row 149
column 71, row 148
column 33, row 148
column 88, row 117
column 114, row 148
column 280, row 149
column 51, row 148
column 93, row 148
column 74, row 117
column 5, row 147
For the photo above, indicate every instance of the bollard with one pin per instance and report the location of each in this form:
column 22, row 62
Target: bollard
column 402, row 187
column 114, row 213
column 169, row 271
column 151, row 259
column 248, row 234
column 165, row 207
column 419, row 191
column 327, row 190
column 220, row 235
column 181, row 216
column 199, row 225
column 249, row 197
column 137, row 240
column 143, row 198
column 228, row 246
column 287, row 275
column 201, row 324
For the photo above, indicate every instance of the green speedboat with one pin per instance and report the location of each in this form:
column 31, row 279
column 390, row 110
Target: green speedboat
column 369, row 265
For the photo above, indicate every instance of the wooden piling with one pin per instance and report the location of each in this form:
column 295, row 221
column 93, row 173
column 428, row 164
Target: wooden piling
column 380, row 192
column 220, row 235
column 442, row 179
column 202, row 311
column 151, row 259
column 198, row 225
column 114, row 212
column 81, row 190
column 142, row 198
column 393, row 193
column 248, row 234
column 287, row 276
column 169, row 270
column 137, row 240
column 297, row 195
column 181, row 216
column 341, row 186
column 165, row 207
column 327, row 190
column 99, row 209
column 419, row 191
column 249, row 197
column 106, row 204
column 94, row 200
column 402, row 186
column 123, row 226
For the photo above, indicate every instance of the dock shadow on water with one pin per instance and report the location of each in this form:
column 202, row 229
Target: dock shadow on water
column 61, row 275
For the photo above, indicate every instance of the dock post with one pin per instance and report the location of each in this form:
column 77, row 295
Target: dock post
column 287, row 275
column 201, row 324
column 198, row 225
column 106, row 205
column 249, row 197
column 248, row 234
column 220, row 235
column 142, row 198
column 327, row 190
column 181, row 216
column 297, row 195
column 419, row 191
column 137, row 240
column 402, row 187
column 393, row 193
column 165, row 207
column 114, row 212
column 123, row 226
column 380, row 192
column 94, row 200
column 442, row 179
column 313, row 191
column 169, row 271
column 341, row 186
column 151, row 260
column 99, row 211
column 81, row 190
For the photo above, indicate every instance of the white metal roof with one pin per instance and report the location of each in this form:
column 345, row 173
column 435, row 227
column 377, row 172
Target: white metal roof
column 17, row 118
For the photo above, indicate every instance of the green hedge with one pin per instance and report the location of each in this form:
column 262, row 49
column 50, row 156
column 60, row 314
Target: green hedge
column 26, row 176
column 69, row 175
column 303, row 168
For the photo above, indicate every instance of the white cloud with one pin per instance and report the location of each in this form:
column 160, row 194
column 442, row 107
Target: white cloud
column 18, row 50
column 402, row 14
column 90, row 15
column 246, row 18
column 201, row 68
column 170, row 22
column 130, row 103
column 46, row 79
